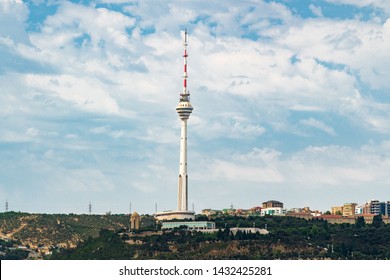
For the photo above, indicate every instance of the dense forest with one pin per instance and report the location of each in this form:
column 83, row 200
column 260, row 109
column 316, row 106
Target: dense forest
column 289, row 238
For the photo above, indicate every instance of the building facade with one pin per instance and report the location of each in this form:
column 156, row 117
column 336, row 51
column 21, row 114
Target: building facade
column 272, row 203
column 349, row 209
column 337, row 210
column 203, row 226
column 376, row 207
column 359, row 209
column 273, row 211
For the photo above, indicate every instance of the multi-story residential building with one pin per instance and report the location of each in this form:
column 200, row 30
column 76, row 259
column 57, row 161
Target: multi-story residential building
column 272, row 203
column 384, row 208
column 375, row 207
column 276, row 211
column 337, row 210
column 359, row 209
column 367, row 208
column 349, row 209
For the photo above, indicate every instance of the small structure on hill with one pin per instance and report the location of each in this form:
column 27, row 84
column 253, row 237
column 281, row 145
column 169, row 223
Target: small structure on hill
column 202, row 226
column 135, row 220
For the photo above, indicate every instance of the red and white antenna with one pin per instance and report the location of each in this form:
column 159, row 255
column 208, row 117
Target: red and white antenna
column 185, row 94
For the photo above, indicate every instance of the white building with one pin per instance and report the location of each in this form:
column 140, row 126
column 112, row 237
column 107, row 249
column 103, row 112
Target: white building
column 275, row 211
column 359, row 210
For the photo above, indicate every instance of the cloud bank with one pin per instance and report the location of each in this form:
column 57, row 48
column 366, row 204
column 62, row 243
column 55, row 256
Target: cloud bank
column 291, row 102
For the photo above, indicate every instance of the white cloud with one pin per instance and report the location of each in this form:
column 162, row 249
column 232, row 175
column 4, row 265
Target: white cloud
column 319, row 125
column 236, row 172
column 322, row 168
column 357, row 46
column 103, row 99
column 80, row 180
column 100, row 129
column 86, row 94
column 305, row 108
column 382, row 4
column 100, row 26
column 226, row 125
column 316, row 10
column 13, row 14
column 32, row 132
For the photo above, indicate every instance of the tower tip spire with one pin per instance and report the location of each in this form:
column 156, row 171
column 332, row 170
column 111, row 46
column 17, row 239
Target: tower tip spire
column 185, row 37
column 185, row 95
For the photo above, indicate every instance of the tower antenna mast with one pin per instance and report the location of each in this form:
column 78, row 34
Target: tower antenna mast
column 185, row 95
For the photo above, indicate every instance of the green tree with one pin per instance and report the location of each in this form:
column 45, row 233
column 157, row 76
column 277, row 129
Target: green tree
column 377, row 221
column 220, row 234
column 360, row 222
column 314, row 230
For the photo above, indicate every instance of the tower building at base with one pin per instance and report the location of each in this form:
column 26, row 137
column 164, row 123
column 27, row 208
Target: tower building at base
column 184, row 109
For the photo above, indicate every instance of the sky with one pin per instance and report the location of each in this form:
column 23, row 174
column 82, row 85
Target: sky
column 291, row 102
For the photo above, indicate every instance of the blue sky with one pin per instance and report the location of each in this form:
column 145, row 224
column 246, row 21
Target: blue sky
column 291, row 102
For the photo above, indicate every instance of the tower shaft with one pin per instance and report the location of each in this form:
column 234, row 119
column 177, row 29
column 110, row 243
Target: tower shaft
column 183, row 176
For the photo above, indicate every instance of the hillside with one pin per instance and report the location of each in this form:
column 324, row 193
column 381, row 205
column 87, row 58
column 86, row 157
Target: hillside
column 73, row 236
column 289, row 238
column 55, row 230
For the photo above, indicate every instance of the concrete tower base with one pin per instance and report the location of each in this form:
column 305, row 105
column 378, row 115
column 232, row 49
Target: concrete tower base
column 172, row 215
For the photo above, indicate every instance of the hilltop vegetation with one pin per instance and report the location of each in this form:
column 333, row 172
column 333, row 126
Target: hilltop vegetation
column 289, row 238
column 59, row 230
column 105, row 237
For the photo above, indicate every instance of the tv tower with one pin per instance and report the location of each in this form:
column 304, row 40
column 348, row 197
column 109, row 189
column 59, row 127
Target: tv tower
column 6, row 205
column 184, row 109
